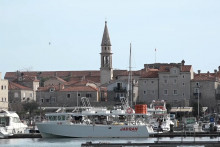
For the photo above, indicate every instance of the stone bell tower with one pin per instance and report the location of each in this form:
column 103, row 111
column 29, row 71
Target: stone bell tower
column 106, row 71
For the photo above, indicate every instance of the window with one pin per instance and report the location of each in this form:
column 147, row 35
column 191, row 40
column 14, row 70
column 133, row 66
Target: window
column 183, row 76
column 88, row 95
column 2, row 87
column 31, row 94
column 183, row 94
column 174, row 92
column 15, row 94
column 144, row 92
column 52, row 89
column 165, row 92
column 23, row 98
column 28, row 99
column 145, row 82
column 183, row 84
column 5, row 87
column 165, row 81
column 174, row 81
column 47, row 100
column 2, row 99
column 196, row 90
column 68, row 95
column 197, row 84
column 79, row 94
column 23, row 94
column 153, row 91
column 42, row 100
column 119, row 86
column 174, row 71
column 152, row 82
column 53, row 99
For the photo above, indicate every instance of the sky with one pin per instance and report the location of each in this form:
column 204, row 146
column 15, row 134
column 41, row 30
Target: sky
column 65, row 35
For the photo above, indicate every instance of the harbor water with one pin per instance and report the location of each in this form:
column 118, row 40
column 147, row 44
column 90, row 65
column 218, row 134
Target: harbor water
column 76, row 142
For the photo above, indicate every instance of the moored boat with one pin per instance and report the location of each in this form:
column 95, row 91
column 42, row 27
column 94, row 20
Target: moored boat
column 10, row 124
column 94, row 122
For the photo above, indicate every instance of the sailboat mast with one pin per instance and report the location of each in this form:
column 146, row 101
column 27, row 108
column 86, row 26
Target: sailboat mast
column 130, row 78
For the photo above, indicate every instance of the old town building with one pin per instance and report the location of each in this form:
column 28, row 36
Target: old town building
column 169, row 82
column 206, row 88
column 3, row 93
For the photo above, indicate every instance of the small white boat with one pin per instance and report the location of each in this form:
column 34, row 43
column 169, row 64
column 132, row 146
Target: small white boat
column 10, row 124
column 160, row 120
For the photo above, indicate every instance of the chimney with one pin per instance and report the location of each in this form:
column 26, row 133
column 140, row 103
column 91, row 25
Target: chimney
column 199, row 71
column 183, row 62
column 215, row 71
column 208, row 74
column 219, row 68
column 55, row 74
column 61, row 86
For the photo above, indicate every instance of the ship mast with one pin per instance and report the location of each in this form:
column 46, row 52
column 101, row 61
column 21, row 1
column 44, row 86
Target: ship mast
column 130, row 95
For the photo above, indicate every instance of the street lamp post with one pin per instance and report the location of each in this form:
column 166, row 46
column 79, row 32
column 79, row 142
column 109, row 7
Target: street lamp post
column 198, row 102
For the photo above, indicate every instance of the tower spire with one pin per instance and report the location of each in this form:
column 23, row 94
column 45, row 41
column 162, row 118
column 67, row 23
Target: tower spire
column 106, row 71
column 106, row 39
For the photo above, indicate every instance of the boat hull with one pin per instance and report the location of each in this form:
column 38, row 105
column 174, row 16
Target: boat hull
column 88, row 131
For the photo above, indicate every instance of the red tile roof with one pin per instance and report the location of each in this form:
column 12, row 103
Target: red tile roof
column 166, row 68
column 11, row 75
column 80, row 88
column 205, row 77
column 47, row 88
column 150, row 74
column 125, row 73
column 16, row 86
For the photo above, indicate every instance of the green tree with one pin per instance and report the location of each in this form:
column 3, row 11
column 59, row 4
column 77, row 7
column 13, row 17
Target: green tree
column 30, row 107
column 168, row 106
column 195, row 109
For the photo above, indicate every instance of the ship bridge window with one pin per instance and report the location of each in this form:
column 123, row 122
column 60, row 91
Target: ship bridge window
column 52, row 118
column 16, row 120
column 4, row 121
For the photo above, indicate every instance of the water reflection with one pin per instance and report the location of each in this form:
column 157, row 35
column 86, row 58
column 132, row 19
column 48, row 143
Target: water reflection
column 65, row 142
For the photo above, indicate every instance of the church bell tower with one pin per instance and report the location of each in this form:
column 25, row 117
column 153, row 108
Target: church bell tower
column 106, row 71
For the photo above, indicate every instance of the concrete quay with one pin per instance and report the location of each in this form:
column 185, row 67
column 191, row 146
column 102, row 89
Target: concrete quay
column 155, row 144
column 186, row 134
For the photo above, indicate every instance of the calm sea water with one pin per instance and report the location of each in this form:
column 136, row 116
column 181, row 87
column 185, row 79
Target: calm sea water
column 73, row 142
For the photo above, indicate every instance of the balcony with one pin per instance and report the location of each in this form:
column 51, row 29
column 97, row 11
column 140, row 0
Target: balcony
column 196, row 95
column 120, row 89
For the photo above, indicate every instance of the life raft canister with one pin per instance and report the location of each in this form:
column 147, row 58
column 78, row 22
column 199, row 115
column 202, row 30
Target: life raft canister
column 129, row 110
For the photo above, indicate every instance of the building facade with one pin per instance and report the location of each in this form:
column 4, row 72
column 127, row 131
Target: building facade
column 61, row 96
column 169, row 82
column 205, row 89
column 3, row 93
column 19, row 94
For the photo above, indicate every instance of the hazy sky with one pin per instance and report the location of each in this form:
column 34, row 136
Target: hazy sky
column 179, row 29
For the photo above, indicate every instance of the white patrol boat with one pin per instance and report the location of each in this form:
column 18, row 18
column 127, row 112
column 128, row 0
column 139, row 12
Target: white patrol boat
column 10, row 124
column 96, row 122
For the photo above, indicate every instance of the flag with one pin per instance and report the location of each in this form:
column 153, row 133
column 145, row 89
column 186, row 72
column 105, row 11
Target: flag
column 155, row 49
